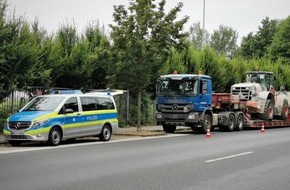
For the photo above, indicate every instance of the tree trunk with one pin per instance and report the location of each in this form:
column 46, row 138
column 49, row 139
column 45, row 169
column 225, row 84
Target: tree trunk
column 139, row 111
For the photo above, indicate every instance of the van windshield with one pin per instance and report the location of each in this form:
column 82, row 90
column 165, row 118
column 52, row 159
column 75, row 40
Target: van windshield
column 43, row 104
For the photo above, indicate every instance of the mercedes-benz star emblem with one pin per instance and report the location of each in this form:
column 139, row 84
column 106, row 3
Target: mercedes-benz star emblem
column 17, row 126
column 175, row 107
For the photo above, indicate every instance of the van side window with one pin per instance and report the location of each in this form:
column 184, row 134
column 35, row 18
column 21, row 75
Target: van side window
column 89, row 103
column 105, row 104
column 71, row 103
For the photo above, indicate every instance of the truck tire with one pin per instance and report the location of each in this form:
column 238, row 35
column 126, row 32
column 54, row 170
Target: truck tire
column 240, row 122
column 206, row 124
column 169, row 128
column 231, row 123
column 285, row 110
column 268, row 111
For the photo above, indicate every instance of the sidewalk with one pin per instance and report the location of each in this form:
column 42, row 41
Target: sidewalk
column 126, row 131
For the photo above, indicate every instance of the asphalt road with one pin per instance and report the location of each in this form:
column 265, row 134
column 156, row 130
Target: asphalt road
column 236, row 160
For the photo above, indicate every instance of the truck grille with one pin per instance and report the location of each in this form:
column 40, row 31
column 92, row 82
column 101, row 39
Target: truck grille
column 175, row 108
column 19, row 125
column 243, row 92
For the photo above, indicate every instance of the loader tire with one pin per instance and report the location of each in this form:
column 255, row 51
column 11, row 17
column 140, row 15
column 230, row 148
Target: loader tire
column 285, row 110
column 268, row 111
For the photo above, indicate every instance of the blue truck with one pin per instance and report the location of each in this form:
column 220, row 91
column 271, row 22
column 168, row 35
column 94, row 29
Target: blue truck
column 188, row 100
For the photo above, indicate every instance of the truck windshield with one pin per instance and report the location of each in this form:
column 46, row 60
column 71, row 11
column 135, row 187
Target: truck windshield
column 177, row 87
column 43, row 104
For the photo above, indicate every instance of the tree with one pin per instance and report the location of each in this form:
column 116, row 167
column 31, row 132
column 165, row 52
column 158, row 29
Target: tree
column 196, row 34
column 142, row 39
column 256, row 45
column 280, row 46
column 224, row 40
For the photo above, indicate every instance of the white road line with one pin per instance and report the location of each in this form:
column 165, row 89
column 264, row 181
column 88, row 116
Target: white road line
column 26, row 149
column 227, row 157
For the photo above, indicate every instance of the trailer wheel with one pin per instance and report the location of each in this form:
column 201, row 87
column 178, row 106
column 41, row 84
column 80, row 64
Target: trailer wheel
column 268, row 111
column 169, row 128
column 232, row 122
column 285, row 110
column 240, row 122
column 206, row 124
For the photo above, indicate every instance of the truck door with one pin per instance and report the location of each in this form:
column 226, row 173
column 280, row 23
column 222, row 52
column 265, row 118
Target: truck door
column 205, row 96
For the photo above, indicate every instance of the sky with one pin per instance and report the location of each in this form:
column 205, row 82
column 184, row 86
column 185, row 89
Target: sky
column 244, row 16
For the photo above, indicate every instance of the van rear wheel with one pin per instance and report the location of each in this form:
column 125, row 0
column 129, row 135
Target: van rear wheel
column 106, row 133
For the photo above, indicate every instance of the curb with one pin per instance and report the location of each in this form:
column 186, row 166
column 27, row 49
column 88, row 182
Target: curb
column 141, row 134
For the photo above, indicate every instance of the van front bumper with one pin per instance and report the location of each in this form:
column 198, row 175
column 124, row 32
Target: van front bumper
column 24, row 137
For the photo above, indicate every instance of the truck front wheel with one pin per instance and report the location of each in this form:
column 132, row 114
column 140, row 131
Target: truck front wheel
column 206, row 124
column 169, row 128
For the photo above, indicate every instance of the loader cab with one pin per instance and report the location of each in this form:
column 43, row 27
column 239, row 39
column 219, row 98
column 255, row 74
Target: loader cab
column 264, row 78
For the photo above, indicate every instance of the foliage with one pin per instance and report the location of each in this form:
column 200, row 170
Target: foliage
column 198, row 37
column 280, row 46
column 143, row 36
column 256, row 45
column 145, row 42
column 224, row 40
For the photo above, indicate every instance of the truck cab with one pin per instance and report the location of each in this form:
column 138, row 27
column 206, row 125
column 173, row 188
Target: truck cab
column 184, row 100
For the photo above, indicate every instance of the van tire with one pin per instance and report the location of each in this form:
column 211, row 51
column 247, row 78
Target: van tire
column 54, row 137
column 106, row 133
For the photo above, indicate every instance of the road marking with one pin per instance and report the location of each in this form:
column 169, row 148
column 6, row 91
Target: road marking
column 26, row 149
column 228, row 157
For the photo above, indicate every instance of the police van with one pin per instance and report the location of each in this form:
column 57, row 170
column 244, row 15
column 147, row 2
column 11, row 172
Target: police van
column 53, row 118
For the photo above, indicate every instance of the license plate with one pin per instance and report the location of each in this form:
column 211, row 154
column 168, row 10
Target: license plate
column 16, row 133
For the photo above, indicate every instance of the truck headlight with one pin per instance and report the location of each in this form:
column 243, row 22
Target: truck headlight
column 159, row 116
column 191, row 116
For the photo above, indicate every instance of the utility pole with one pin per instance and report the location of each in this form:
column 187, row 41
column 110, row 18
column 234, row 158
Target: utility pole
column 203, row 24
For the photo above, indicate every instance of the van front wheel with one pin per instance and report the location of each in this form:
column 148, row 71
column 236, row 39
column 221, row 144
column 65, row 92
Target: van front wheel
column 54, row 138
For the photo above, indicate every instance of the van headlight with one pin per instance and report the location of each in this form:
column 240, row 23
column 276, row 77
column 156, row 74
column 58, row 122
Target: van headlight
column 36, row 124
